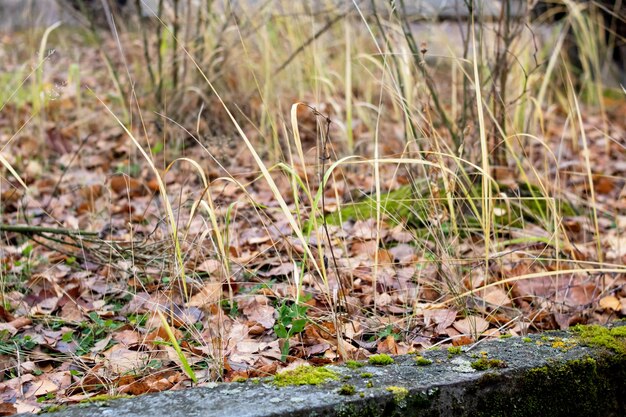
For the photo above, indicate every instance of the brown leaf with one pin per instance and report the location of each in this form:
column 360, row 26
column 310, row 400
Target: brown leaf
column 124, row 360
column 610, row 302
column 7, row 409
column 471, row 325
column 497, row 297
column 388, row 345
column 441, row 318
column 262, row 314
column 210, row 293
column 122, row 184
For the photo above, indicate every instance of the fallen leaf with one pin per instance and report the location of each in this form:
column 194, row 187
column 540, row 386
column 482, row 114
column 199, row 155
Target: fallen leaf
column 210, row 293
column 471, row 325
column 124, row 360
column 497, row 297
column 441, row 318
column 610, row 302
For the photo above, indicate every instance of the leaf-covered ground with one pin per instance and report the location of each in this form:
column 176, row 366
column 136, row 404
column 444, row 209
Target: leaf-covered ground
column 88, row 256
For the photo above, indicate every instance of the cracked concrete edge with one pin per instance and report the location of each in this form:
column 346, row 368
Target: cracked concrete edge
column 550, row 374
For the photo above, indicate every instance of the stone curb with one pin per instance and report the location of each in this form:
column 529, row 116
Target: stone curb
column 551, row 375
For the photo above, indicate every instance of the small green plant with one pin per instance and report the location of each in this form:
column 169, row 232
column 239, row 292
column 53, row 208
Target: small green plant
column 386, row 332
column 91, row 332
column 381, row 359
column 232, row 309
column 527, row 340
column 183, row 359
column 366, row 374
column 422, row 361
column 454, row 350
column 291, row 320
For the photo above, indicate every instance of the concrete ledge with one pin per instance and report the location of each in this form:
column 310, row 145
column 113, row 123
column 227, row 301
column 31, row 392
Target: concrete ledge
column 553, row 374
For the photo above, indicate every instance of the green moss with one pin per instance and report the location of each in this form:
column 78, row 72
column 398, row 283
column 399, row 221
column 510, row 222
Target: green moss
column 381, row 359
column 347, row 390
column 454, row 350
column 369, row 384
column 589, row 386
column 354, row 364
column 366, row 374
column 527, row 340
column 304, row 375
column 422, row 361
column 483, row 364
column 239, row 379
column 54, row 408
column 399, row 393
column 506, row 336
column 613, row 339
column 104, row 397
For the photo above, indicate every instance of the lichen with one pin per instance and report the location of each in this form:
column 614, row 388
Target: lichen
column 422, row 361
column 347, row 390
column 304, row 375
column 564, row 344
column 381, row 359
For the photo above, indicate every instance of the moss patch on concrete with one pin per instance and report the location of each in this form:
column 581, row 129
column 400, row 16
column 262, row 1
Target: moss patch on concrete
column 422, row 361
column 613, row 339
column 399, row 393
column 484, row 364
column 380, row 360
column 354, row 364
column 454, row 350
column 347, row 390
column 305, row 375
column 574, row 388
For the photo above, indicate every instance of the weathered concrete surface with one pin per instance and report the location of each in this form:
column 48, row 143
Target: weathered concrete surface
column 22, row 14
column 550, row 375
